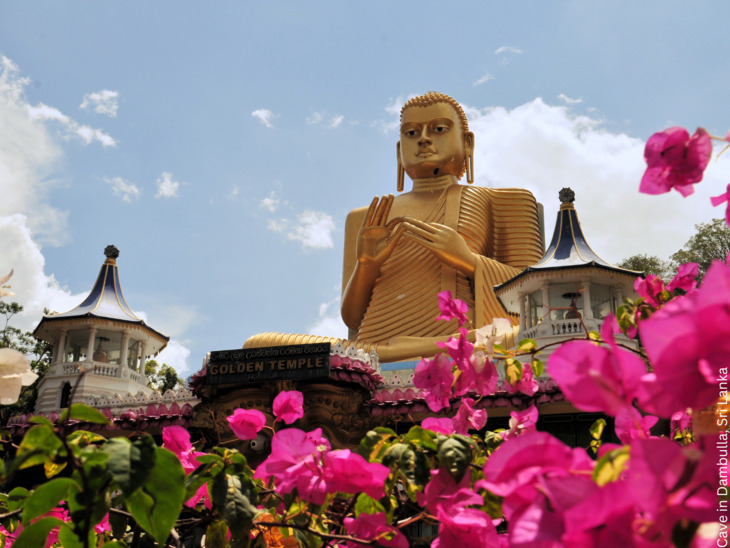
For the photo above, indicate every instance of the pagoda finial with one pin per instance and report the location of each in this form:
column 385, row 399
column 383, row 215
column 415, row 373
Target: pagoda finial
column 567, row 197
column 111, row 252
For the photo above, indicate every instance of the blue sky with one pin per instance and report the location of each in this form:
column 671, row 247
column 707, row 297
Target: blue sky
column 220, row 145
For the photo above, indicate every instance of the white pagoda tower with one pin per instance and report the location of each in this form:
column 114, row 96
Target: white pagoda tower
column 101, row 338
column 571, row 290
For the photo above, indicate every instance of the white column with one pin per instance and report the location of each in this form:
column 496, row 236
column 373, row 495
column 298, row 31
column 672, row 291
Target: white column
column 618, row 296
column 523, row 312
column 587, row 308
column 143, row 358
column 60, row 356
column 545, row 299
column 90, row 345
column 124, row 350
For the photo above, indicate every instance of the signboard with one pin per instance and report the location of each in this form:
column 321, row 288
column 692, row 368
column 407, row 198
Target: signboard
column 273, row 363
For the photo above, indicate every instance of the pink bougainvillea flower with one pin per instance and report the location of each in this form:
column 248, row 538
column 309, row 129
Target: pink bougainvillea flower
column 681, row 420
column 685, row 279
column 688, row 342
column 526, row 385
column 650, row 289
column 452, row 308
column 521, row 422
column 435, row 377
column 246, row 423
column 443, row 426
column 672, row 483
column 296, row 462
column 374, row 527
column 467, row 418
column 595, row 378
column 539, row 477
column 460, row 527
column 459, row 349
column 289, row 406
column 348, row 472
column 444, row 491
column 484, row 375
column 722, row 198
column 674, row 160
column 630, row 425
column 177, row 440
column 103, row 526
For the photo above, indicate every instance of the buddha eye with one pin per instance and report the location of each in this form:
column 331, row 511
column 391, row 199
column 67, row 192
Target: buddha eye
column 441, row 129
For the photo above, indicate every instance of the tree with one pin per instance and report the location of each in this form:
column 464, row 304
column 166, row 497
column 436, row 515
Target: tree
column 37, row 351
column 161, row 377
column 711, row 241
column 649, row 264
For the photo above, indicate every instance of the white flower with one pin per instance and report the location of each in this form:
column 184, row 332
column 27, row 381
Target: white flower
column 14, row 373
column 491, row 334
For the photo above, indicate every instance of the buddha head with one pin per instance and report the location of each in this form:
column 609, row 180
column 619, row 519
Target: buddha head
column 434, row 139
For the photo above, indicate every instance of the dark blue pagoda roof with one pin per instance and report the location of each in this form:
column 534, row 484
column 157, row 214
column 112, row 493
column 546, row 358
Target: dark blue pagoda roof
column 106, row 299
column 568, row 248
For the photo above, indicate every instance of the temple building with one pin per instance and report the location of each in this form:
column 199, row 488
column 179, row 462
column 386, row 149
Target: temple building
column 101, row 338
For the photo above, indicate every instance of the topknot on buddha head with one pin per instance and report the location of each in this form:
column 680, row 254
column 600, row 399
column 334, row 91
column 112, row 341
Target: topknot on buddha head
column 433, row 97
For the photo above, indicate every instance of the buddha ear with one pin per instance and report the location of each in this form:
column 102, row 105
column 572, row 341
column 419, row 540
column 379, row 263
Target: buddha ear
column 401, row 170
column 469, row 156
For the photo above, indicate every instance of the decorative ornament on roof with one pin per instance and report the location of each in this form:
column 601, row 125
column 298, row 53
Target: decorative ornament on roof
column 111, row 252
column 566, row 195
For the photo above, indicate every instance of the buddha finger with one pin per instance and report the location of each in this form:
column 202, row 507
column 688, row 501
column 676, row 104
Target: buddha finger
column 383, row 209
column 395, row 221
column 422, row 224
column 368, row 221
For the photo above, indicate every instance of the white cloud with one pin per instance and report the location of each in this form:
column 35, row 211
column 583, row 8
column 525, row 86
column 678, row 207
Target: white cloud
column 569, row 100
column 102, row 102
column 166, row 187
column 264, row 116
column 315, row 118
column 393, row 111
column 124, row 189
column 335, row 122
column 507, row 49
column 176, row 355
column 329, row 323
column 311, row 228
column 544, row 148
column 485, row 78
column 44, row 113
column 271, row 202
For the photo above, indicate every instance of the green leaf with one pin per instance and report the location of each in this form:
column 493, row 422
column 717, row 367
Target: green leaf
column 157, row 504
column 367, row 505
column 597, row 429
column 215, row 535
column 205, row 459
column 373, row 445
column 538, row 368
column 17, row 498
column 455, row 454
column 40, row 419
column 231, row 498
column 594, row 335
column 83, row 412
column 610, row 466
column 47, row 496
column 527, row 345
column 130, row 463
column 36, row 534
column 513, row 370
column 421, row 437
column 68, row 538
column 39, row 445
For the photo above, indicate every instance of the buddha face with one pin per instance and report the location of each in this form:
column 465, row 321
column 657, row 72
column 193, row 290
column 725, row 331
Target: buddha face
column 432, row 141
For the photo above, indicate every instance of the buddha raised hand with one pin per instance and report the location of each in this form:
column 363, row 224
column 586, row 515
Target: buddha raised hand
column 400, row 252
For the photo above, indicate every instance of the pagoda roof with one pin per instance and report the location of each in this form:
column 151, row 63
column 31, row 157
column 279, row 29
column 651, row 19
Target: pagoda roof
column 568, row 248
column 106, row 300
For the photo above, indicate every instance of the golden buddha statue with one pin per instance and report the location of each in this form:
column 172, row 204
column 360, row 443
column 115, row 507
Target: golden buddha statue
column 400, row 252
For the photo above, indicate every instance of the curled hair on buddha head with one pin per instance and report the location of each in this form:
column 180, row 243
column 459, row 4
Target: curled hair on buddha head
column 432, row 98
